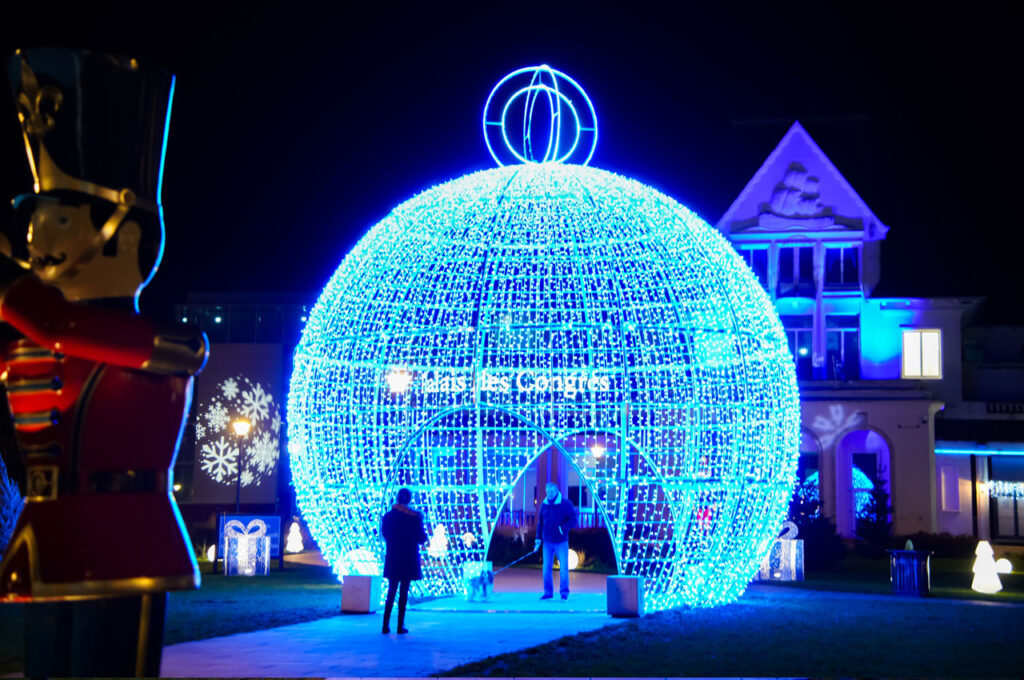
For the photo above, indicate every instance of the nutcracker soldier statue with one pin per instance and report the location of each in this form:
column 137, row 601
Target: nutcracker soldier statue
column 97, row 393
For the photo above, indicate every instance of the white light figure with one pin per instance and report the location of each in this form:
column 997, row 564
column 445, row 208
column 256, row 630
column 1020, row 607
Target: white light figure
column 785, row 558
column 574, row 560
column 986, row 578
column 1003, row 566
column 294, row 543
column 438, row 542
column 211, row 553
column 399, row 379
column 468, row 539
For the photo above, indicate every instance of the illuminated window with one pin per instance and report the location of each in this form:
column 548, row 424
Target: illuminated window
column 842, row 346
column 922, row 354
column 798, row 333
column 796, row 271
column 841, row 267
column 950, row 483
column 757, row 260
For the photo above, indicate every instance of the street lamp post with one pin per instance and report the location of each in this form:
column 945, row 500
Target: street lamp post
column 241, row 428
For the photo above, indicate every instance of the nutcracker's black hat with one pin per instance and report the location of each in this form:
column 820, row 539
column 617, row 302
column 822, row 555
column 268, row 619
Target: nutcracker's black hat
column 93, row 123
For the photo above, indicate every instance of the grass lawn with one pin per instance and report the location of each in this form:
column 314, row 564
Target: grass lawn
column 772, row 632
column 222, row 606
column 950, row 578
column 794, row 632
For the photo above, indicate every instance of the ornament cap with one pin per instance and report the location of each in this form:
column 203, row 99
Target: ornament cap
column 538, row 114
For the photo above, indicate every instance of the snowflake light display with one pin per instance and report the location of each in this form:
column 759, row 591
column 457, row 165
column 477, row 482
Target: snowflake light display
column 548, row 307
column 221, row 451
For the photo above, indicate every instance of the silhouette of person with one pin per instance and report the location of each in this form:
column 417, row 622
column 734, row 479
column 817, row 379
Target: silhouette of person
column 403, row 532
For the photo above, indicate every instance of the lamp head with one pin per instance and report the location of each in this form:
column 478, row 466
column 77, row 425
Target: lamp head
column 241, row 427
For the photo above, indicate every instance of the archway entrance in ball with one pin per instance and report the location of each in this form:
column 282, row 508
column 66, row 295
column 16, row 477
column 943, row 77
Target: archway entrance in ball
column 514, row 535
column 463, row 466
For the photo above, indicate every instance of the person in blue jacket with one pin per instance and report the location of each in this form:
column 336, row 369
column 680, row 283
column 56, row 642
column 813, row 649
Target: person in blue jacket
column 557, row 516
column 403, row 532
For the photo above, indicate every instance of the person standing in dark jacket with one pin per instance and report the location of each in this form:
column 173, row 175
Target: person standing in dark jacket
column 557, row 516
column 403, row 532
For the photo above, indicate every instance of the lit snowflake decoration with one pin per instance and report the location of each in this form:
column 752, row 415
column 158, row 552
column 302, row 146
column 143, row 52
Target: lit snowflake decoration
column 220, row 460
column 253, row 458
column 264, row 451
column 229, row 388
column 256, row 403
column 216, row 416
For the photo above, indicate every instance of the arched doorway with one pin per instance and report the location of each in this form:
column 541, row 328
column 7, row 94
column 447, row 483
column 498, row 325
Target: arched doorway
column 863, row 461
column 809, row 496
column 462, row 468
column 571, row 466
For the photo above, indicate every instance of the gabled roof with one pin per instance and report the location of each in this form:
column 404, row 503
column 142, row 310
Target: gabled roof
column 820, row 196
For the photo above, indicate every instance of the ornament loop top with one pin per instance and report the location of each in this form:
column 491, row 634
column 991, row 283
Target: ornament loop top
column 568, row 133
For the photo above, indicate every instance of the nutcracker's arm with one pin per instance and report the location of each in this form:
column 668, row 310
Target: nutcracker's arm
column 109, row 336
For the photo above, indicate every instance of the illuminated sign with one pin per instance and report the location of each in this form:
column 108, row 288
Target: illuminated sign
column 399, row 380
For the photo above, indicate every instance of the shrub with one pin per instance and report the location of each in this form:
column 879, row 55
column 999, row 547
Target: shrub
column 943, row 545
column 823, row 547
column 874, row 528
column 508, row 545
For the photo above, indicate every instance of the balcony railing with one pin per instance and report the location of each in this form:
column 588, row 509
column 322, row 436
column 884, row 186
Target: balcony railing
column 586, row 518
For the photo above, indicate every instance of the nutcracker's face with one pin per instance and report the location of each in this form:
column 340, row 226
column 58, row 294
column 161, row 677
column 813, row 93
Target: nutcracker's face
column 64, row 250
column 58, row 235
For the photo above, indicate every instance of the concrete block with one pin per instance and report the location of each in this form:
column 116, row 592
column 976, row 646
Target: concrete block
column 360, row 594
column 625, row 596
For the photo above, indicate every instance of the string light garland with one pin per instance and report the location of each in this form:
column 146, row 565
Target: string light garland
column 548, row 307
column 999, row 489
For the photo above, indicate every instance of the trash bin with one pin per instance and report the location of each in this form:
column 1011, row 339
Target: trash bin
column 910, row 571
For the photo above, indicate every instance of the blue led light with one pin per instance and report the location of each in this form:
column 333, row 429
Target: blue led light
column 159, row 199
column 979, row 451
column 579, row 117
column 548, row 308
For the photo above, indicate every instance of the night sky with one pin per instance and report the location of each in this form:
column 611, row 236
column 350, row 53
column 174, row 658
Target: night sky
column 296, row 128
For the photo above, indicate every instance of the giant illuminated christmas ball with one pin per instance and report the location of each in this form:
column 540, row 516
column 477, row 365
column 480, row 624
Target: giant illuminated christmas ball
column 547, row 307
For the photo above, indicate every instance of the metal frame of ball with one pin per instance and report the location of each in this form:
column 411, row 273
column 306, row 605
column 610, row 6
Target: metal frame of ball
column 355, row 442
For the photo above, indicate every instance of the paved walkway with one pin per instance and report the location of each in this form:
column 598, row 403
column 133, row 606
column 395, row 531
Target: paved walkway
column 445, row 633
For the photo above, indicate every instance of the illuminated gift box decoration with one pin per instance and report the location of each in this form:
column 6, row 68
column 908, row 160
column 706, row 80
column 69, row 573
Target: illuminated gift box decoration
column 545, row 306
column 246, row 548
column 785, row 559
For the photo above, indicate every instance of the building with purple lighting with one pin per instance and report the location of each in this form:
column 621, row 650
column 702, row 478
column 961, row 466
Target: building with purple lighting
column 924, row 395
column 914, row 392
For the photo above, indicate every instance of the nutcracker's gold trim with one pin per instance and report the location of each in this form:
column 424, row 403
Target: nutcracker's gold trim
column 36, row 121
column 177, row 352
column 42, row 482
column 39, row 591
column 30, row 353
column 145, row 607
